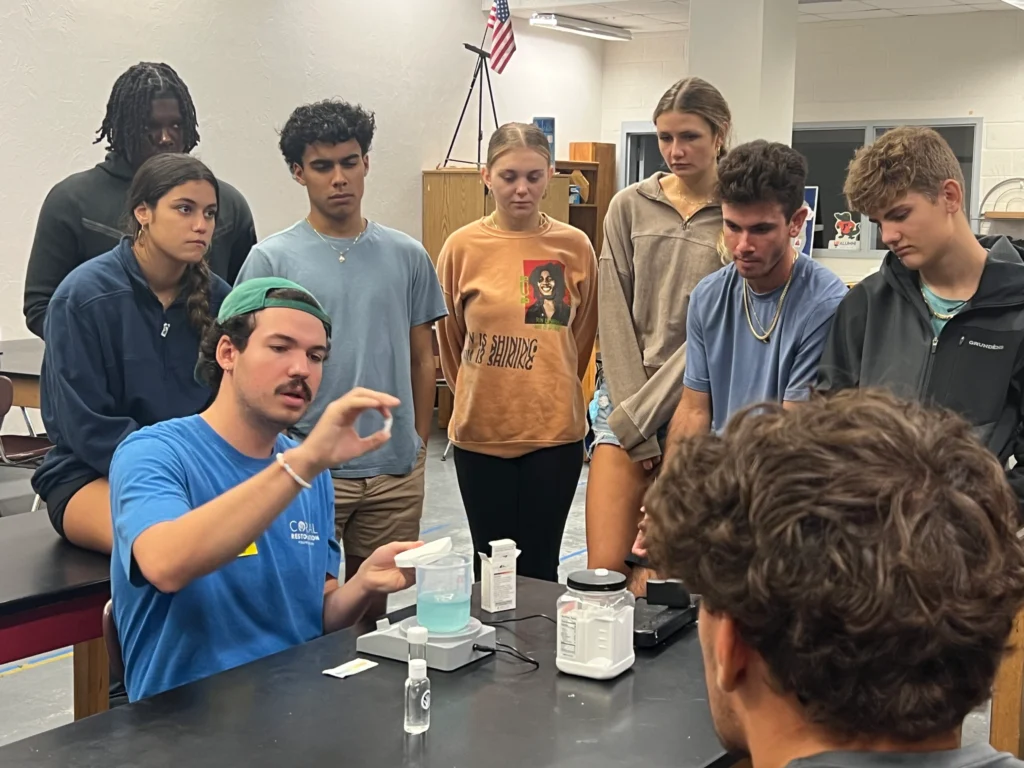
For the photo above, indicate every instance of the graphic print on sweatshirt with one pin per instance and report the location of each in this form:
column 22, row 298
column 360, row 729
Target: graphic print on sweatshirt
column 545, row 294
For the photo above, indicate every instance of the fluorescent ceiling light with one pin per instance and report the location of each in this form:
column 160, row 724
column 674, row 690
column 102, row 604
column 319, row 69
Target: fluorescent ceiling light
column 1015, row 3
column 581, row 26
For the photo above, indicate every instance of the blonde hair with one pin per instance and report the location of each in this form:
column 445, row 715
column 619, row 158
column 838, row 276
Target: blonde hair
column 697, row 96
column 905, row 159
column 515, row 136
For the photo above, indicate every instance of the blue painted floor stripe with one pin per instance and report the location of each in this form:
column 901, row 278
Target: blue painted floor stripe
column 43, row 657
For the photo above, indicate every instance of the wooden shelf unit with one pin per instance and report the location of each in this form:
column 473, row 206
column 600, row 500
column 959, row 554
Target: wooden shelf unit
column 1004, row 215
column 596, row 161
column 454, row 197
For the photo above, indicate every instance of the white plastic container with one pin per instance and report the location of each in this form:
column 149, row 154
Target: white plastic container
column 498, row 577
column 595, row 625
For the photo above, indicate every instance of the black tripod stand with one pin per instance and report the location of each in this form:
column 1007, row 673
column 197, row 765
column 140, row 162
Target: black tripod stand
column 481, row 64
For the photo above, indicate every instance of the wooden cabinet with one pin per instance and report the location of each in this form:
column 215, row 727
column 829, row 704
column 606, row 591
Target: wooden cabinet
column 596, row 161
column 454, row 197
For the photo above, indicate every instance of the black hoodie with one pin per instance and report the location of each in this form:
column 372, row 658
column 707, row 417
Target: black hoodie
column 83, row 216
column 882, row 336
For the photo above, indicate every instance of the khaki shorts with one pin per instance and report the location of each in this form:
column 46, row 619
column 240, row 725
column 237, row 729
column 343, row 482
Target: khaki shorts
column 372, row 511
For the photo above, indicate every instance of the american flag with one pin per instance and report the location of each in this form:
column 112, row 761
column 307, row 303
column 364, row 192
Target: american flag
column 503, row 42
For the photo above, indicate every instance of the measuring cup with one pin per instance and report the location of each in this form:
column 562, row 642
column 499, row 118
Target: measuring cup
column 443, row 590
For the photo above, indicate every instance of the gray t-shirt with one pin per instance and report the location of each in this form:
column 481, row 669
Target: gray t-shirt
column 725, row 359
column 385, row 286
column 972, row 756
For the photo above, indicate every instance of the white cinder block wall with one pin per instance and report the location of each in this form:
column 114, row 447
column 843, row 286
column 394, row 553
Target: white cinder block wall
column 248, row 63
column 922, row 67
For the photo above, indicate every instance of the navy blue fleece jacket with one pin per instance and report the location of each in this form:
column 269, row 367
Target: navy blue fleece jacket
column 115, row 361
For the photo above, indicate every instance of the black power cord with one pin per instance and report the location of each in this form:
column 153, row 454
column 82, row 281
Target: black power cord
column 510, row 650
column 520, row 618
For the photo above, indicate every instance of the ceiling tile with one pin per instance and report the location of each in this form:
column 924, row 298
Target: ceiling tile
column 644, row 7
column 1000, row 6
column 675, row 18
column 834, row 6
column 901, row 4
column 926, row 11
column 647, row 24
column 872, row 14
column 809, row 17
column 590, row 12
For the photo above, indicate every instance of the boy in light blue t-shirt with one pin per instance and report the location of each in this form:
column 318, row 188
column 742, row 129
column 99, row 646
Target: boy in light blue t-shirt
column 223, row 529
column 756, row 328
column 382, row 293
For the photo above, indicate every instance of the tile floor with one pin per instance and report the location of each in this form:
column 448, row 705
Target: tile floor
column 35, row 694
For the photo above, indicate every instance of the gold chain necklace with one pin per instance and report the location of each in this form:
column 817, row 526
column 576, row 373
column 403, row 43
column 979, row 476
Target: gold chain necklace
column 690, row 204
column 935, row 313
column 341, row 254
column 766, row 334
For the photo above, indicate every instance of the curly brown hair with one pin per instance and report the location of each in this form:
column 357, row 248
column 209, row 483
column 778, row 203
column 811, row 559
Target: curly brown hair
column 864, row 546
column 763, row 172
column 905, row 159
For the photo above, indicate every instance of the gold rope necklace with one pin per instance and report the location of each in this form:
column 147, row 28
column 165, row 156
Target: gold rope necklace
column 765, row 334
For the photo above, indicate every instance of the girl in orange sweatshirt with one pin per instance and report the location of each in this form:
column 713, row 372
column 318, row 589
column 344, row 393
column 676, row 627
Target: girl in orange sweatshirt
column 521, row 291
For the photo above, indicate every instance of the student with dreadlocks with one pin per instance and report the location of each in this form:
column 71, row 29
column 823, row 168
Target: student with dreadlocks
column 123, row 334
column 150, row 111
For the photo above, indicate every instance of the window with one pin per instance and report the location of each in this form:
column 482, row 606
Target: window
column 829, row 147
column 641, row 155
column 828, row 152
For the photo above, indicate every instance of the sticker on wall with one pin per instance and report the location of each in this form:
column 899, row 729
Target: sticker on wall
column 847, row 233
column 804, row 242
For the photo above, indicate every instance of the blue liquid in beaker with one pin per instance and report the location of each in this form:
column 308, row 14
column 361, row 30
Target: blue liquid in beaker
column 442, row 611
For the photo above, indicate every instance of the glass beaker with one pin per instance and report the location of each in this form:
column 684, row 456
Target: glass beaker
column 443, row 590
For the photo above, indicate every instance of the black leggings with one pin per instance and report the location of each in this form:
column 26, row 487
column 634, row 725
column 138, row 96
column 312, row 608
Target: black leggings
column 526, row 499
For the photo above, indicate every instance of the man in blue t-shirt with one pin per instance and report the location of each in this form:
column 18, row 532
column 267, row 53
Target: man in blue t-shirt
column 223, row 528
column 382, row 292
column 756, row 328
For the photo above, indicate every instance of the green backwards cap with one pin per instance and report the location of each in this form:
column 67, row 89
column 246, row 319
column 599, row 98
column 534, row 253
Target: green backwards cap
column 251, row 296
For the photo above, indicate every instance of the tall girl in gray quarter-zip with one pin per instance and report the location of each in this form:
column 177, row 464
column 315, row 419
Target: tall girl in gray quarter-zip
column 662, row 236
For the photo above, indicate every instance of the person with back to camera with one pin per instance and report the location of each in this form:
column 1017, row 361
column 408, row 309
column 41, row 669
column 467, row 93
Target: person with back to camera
column 859, row 574
column 521, row 291
column 123, row 334
column 150, row 112
column 663, row 235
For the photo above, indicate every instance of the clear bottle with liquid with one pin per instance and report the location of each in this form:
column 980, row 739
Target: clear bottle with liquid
column 417, row 697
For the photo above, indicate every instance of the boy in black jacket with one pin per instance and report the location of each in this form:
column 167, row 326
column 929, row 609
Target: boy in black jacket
column 150, row 111
column 942, row 321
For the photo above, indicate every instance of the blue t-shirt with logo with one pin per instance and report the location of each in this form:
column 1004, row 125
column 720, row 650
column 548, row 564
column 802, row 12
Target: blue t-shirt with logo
column 268, row 599
column 726, row 360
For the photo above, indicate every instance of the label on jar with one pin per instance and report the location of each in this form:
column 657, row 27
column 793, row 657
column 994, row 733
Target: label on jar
column 568, row 636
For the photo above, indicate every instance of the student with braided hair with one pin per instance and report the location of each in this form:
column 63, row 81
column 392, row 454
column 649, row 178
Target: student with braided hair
column 150, row 111
column 123, row 334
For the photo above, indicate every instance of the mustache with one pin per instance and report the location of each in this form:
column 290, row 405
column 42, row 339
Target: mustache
column 295, row 387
